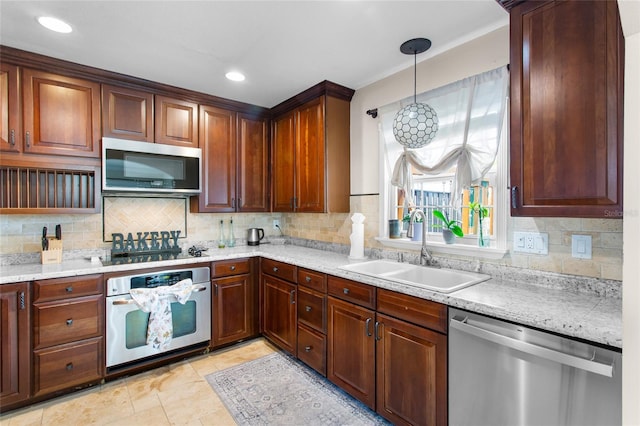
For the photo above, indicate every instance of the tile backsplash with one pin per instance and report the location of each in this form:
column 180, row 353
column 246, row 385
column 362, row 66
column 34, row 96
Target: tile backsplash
column 20, row 234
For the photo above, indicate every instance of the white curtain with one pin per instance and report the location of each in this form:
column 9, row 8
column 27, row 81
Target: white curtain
column 470, row 112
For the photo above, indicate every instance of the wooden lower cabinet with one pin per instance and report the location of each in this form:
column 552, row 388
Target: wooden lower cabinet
column 233, row 315
column 15, row 347
column 411, row 373
column 351, row 362
column 279, row 312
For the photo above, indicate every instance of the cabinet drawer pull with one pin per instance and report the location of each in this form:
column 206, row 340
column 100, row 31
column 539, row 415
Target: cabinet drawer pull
column 367, row 328
column 69, row 366
column 233, row 267
column 70, row 322
column 233, row 203
column 307, row 279
column 69, row 289
column 307, row 308
column 28, row 139
column 275, row 269
column 12, row 138
column 308, row 348
column 345, row 290
column 292, row 295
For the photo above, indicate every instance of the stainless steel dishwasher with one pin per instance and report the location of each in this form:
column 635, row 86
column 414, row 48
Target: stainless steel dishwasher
column 506, row 374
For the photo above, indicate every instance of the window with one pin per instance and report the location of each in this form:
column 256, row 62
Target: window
column 464, row 163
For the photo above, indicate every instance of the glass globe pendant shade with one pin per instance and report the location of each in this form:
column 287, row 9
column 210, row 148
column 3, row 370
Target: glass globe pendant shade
column 415, row 125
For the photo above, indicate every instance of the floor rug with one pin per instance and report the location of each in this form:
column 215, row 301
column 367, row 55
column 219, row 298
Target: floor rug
column 279, row 390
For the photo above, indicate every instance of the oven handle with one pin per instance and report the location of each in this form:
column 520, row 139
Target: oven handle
column 194, row 289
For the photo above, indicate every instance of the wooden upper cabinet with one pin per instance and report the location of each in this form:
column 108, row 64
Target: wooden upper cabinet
column 176, row 122
column 311, row 152
column 283, row 157
column 567, row 64
column 253, row 165
column 61, row 114
column 127, row 113
column 10, row 123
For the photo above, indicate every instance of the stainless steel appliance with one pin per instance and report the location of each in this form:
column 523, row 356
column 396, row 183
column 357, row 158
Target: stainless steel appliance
column 506, row 374
column 254, row 236
column 127, row 324
column 129, row 166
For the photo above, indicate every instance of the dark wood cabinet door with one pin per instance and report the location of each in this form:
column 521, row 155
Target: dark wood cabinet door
column 567, row 69
column 411, row 375
column 176, row 122
column 10, row 115
column 15, row 347
column 279, row 312
column 282, row 164
column 233, row 309
column 351, row 349
column 309, row 159
column 61, row 115
column 218, row 136
column 253, row 165
column 127, row 113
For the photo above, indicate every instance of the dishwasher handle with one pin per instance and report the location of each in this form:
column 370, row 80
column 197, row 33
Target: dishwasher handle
column 530, row 348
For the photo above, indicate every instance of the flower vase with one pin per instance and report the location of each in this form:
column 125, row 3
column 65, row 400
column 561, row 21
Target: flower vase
column 483, row 241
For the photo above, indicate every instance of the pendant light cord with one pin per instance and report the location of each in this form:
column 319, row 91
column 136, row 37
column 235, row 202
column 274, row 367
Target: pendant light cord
column 414, row 75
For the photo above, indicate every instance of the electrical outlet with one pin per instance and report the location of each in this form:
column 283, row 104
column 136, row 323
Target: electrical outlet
column 531, row 242
column 276, row 223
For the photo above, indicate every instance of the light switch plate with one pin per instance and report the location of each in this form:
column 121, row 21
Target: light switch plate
column 581, row 246
column 531, row 242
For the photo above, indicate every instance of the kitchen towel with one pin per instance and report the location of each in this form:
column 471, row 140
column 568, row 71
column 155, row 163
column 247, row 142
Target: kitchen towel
column 157, row 302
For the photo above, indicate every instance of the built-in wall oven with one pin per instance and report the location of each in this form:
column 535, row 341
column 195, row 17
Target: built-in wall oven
column 127, row 324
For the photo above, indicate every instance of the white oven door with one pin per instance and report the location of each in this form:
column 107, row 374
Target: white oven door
column 127, row 326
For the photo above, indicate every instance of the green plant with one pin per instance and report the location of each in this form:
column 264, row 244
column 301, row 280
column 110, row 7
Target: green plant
column 477, row 208
column 449, row 224
column 407, row 218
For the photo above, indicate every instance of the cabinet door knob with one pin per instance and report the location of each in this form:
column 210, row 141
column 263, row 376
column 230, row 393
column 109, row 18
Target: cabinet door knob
column 233, row 267
column 69, row 366
column 307, row 348
column 345, row 290
column 307, row 308
column 307, row 279
column 275, row 269
column 70, row 322
column 69, row 289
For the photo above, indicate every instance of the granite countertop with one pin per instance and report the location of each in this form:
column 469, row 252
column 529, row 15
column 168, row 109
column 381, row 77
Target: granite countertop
column 572, row 313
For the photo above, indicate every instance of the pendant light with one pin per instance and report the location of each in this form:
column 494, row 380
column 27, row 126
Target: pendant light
column 416, row 124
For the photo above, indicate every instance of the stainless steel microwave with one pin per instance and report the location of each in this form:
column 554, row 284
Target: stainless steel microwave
column 131, row 166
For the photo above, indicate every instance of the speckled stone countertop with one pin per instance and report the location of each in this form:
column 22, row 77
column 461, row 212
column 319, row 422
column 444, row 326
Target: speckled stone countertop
column 582, row 314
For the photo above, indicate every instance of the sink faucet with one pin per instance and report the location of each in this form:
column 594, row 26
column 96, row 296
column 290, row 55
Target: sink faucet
column 426, row 258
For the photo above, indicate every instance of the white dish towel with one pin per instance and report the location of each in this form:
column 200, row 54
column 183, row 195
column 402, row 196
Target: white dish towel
column 157, row 302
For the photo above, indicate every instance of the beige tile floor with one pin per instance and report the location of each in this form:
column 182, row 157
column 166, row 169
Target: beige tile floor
column 177, row 394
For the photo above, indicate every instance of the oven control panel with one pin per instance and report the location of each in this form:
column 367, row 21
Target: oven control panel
column 121, row 285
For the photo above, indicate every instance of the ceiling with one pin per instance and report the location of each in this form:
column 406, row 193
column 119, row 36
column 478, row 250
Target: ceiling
column 283, row 47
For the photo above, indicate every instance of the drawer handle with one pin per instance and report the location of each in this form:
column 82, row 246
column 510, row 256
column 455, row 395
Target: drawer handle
column 275, row 269
column 69, row 289
column 233, row 267
column 377, row 331
column 308, row 348
column 345, row 290
column 69, row 366
column 307, row 279
column 367, row 328
column 307, row 308
column 70, row 322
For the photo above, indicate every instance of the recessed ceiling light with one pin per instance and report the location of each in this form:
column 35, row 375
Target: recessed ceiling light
column 54, row 24
column 235, row 76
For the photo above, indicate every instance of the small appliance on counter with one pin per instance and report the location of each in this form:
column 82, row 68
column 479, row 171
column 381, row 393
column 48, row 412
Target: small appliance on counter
column 254, row 236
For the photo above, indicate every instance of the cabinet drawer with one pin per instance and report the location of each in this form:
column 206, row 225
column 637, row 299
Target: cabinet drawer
column 280, row 270
column 66, row 321
column 63, row 288
column 361, row 294
column 226, row 268
column 311, row 309
column 312, row 349
column 312, row 279
column 64, row 366
column 422, row 312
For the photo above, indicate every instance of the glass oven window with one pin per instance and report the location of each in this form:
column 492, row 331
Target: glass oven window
column 183, row 317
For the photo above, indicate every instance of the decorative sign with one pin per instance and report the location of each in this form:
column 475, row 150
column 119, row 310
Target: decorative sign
column 147, row 242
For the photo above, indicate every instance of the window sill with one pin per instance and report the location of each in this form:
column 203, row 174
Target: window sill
column 441, row 247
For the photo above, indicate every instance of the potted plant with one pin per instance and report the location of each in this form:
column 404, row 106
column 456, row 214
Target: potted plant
column 450, row 228
column 482, row 213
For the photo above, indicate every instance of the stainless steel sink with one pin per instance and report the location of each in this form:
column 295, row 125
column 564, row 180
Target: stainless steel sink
column 435, row 279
